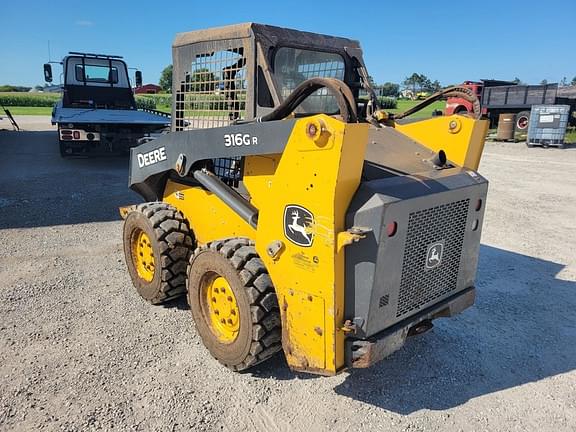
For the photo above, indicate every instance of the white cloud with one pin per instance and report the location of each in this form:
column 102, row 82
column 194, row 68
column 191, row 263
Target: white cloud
column 84, row 23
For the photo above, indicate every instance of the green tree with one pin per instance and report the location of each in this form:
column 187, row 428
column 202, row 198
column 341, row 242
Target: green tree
column 544, row 82
column 421, row 83
column 166, row 79
column 436, row 86
column 414, row 82
column 573, row 82
column 390, row 89
column 564, row 82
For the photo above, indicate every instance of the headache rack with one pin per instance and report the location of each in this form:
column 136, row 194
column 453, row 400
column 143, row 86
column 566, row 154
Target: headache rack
column 103, row 56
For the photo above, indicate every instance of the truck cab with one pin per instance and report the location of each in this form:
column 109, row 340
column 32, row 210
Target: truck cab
column 96, row 82
column 98, row 112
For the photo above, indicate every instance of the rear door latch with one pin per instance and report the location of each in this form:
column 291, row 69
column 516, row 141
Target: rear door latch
column 350, row 236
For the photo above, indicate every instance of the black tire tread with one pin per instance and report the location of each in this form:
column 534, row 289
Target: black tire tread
column 176, row 242
column 264, row 310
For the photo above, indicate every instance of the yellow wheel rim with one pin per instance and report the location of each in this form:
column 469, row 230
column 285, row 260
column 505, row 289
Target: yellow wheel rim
column 143, row 256
column 222, row 308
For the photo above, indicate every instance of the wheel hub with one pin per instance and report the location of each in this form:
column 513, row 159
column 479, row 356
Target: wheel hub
column 143, row 256
column 222, row 309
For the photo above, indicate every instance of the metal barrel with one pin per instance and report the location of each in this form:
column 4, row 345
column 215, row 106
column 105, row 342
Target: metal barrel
column 506, row 126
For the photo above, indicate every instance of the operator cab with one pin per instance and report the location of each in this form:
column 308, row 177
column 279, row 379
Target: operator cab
column 242, row 72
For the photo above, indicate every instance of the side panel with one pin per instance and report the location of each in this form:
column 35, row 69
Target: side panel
column 209, row 217
column 462, row 138
column 309, row 193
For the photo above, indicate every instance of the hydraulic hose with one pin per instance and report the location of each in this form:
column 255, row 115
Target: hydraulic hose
column 460, row 92
column 339, row 89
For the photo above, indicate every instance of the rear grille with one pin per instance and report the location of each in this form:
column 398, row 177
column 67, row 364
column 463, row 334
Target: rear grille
column 419, row 285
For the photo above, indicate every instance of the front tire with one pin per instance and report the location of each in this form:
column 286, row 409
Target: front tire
column 234, row 304
column 157, row 247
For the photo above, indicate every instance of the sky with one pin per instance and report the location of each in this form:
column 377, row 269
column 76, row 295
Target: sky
column 450, row 41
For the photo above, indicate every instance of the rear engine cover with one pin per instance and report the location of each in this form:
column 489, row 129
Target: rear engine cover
column 432, row 254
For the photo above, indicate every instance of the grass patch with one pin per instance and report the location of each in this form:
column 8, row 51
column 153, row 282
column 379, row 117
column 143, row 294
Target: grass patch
column 10, row 99
column 164, row 108
column 27, row 110
column 404, row 105
column 570, row 135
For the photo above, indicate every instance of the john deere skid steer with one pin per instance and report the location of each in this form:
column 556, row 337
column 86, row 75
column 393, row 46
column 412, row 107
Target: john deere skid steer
column 293, row 212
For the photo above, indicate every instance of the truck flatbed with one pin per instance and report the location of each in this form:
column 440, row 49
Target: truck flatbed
column 108, row 116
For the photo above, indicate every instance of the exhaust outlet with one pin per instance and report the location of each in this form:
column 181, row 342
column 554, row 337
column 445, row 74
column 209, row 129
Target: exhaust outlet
column 439, row 159
column 421, row 328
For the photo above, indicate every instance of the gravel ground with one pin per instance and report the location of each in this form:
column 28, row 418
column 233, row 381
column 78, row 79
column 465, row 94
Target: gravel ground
column 79, row 350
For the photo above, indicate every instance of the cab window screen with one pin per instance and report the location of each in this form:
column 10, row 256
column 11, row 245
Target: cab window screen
column 292, row 66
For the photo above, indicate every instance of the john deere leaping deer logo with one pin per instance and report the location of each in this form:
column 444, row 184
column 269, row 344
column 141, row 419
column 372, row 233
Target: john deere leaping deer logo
column 298, row 225
column 434, row 254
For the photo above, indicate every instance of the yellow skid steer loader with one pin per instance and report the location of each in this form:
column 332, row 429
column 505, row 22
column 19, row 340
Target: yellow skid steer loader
column 293, row 212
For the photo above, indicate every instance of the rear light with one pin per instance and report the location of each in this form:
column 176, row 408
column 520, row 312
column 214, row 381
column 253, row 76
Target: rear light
column 478, row 204
column 391, row 228
column 66, row 135
column 76, row 135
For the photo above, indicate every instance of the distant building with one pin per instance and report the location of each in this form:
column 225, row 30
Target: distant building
column 148, row 89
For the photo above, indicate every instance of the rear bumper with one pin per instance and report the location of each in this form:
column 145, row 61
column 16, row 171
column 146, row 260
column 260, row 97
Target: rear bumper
column 366, row 352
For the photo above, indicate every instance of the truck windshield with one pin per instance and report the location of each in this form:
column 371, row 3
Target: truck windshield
column 292, row 66
column 96, row 73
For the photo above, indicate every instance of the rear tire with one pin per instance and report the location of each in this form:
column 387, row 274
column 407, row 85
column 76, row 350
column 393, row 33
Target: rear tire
column 252, row 332
column 157, row 246
column 64, row 149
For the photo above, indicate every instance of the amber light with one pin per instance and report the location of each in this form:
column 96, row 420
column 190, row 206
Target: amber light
column 391, row 228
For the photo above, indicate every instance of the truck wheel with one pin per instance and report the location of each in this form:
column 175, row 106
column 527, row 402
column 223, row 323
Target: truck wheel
column 234, row 304
column 64, row 150
column 522, row 119
column 462, row 111
column 157, row 247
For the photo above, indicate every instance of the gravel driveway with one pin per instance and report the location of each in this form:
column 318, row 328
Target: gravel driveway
column 79, row 349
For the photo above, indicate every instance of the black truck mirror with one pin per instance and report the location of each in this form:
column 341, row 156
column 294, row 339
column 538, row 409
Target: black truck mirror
column 138, row 75
column 47, row 73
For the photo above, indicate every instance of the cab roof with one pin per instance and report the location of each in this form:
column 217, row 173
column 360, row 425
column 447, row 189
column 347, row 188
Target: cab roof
column 262, row 32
